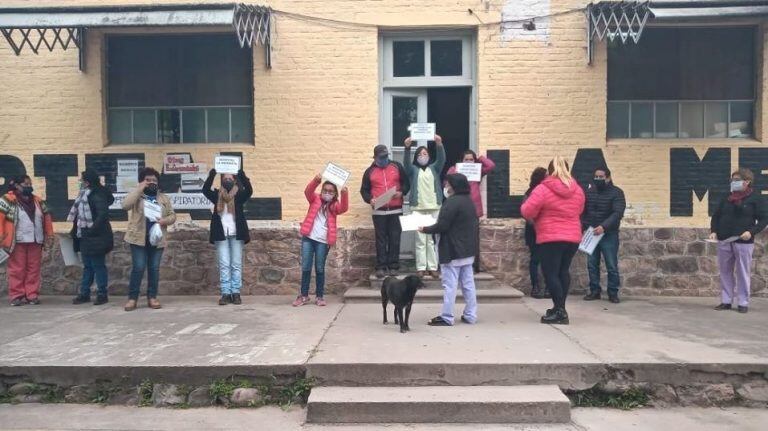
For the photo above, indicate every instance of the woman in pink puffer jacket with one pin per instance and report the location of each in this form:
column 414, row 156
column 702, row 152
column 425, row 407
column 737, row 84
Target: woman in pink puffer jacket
column 555, row 207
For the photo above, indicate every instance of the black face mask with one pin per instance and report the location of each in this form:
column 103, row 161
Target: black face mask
column 600, row 184
column 27, row 190
column 228, row 185
column 150, row 189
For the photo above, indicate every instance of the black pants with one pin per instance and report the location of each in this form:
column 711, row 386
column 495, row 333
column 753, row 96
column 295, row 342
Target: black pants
column 388, row 232
column 476, row 265
column 533, row 265
column 556, row 260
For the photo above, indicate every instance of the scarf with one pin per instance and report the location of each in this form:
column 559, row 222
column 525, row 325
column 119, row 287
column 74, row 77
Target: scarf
column 27, row 203
column 81, row 212
column 227, row 198
column 737, row 197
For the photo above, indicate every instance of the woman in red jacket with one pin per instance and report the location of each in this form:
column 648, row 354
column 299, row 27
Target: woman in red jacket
column 318, row 234
column 555, row 207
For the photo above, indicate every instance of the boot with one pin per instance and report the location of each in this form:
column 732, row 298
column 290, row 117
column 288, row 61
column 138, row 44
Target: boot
column 154, row 304
column 559, row 317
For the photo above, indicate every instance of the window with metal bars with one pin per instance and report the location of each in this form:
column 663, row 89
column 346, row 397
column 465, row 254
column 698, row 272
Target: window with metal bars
column 179, row 89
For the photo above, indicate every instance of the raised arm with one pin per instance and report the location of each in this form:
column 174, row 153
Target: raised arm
column 246, row 191
column 487, row 163
column 309, row 191
column 342, row 205
column 212, row 195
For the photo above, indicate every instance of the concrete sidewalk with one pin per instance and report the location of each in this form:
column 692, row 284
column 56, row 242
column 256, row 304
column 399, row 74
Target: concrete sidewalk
column 89, row 417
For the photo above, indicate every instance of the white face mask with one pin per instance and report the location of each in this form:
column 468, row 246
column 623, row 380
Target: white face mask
column 327, row 197
column 422, row 160
column 447, row 192
column 737, row 186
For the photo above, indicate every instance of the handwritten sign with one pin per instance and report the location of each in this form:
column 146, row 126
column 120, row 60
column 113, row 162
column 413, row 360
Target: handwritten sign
column 422, row 131
column 335, row 174
column 382, row 199
column 227, row 164
column 128, row 168
column 589, row 241
column 473, row 171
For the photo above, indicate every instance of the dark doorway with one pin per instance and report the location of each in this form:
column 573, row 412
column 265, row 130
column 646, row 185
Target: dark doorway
column 448, row 108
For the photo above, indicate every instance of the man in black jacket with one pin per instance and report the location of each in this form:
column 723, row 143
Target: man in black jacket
column 457, row 226
column 603, row 211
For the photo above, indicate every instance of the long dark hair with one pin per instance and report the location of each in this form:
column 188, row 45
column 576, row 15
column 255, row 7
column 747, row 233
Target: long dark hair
column 459, row 184
column 537, row 176
column 416, row 157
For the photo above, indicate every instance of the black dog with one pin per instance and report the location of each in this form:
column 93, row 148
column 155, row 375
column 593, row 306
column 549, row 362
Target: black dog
column 401, row 293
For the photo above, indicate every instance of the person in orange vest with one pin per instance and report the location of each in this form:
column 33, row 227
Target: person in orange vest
column 26, row 226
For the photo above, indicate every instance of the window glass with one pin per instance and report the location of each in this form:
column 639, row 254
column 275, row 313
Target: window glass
column 666, row 120
column 404, row 112
column 741, row 120
column 120, row 126
column 716, row 121
column 144, row 126
column 242, row 125
column 168, row 126
column 218, row 125
column 194, row 126
column 642, row 120
column 618, row 120
column 408, row 58
column 691, row 120
column 446, row 57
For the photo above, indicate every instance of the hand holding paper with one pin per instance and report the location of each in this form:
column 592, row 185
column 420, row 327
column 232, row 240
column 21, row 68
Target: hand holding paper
column 589, row 241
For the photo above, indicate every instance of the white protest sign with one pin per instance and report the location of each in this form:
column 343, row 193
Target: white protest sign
column 335, row 174
column 414, row 221
column 473, row 171
column 125, row 184
column 422, row 131
column 382, row 199
column 227, row 164
column 127, row 168
column 589, row 241
column 67, row 246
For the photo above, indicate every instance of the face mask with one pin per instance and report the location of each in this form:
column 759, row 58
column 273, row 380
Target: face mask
column 447, row 192
column 382, row 162
column 327, row 197
column 228, row 185
column 737, row 186
column 600, row 183
column 27, row 190
column 81, row 184
column 422, row 160
column 150, row 189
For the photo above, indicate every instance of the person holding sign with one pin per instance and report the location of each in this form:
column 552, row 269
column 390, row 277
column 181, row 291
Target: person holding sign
column 486, row 166
column 603, row 213
column 737, row 220
column 318, row 235
column 146, row 207
column 457, row 226
column 229, row 230
column 25, row 225
column 384, row 184
column 555, row 207
column 92, row 235
column 426, row 198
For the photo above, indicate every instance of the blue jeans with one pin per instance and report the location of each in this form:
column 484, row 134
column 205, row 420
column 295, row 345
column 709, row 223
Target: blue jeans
column 230, row 253
column 316, row 251
column 144, row 258
column 94, row 267
column 608, row 248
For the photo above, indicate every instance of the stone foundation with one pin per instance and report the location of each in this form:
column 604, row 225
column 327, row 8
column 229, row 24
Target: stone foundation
column 653, row 261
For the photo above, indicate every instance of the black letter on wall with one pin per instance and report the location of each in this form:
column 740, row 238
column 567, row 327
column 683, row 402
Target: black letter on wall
column 56, row 168
column 688, row 173
column 587, row 160
column 756, row 160
column 500, row 203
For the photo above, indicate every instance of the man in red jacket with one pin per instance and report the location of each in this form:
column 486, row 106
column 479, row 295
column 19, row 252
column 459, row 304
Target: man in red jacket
column 383, row 175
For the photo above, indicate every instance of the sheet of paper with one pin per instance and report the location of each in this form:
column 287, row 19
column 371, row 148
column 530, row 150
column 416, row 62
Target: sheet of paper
column 731, row 239
column 727, row 240
column 473, row 171
column 589, row 241
column 126, row 184
column 335, row 174
column 422, row 131
column 414, row 221
column 128, row 168
column 383, row 198
column 193, row 182
column 227, row 164
column 67, row 246
column 152, row 211
column 3, row 255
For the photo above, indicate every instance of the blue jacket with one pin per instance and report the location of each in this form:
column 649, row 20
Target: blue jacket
column 414, row 170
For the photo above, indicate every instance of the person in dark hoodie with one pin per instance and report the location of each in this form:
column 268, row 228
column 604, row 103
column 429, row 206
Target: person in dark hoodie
column 457, row 227
column 538, row 290
column 383, row 175
column 92, row 234
column 229, row 230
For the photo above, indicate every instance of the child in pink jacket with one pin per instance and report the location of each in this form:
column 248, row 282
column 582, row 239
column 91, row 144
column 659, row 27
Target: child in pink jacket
column 318, row 234
column 555, row 207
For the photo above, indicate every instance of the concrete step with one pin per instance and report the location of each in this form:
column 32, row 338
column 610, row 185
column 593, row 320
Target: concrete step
column 357, row 295
column 483, row 280
column 438, row 404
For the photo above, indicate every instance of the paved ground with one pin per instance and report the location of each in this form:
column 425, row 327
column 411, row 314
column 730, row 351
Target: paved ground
column 87, row 417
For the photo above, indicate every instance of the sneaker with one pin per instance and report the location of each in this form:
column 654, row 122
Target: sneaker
column 130, row 305
column 614, row 299
column 235, row 298
column 153, row 303
column 559, row 317
column 380, row 273
column 300, row 300
column 592, row 296
column 101, row 300
column 723, row 307
column 743, row 309
column 35, row 301
column 18, row 302
column 464, row 320
column 438, row 321
column 79, row 299
column 224, row 300
column 320, row 302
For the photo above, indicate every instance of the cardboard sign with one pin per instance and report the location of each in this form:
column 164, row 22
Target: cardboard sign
column 227, row 164
column 382, row 199
column 335, row 174
column 589, row 241
column 473, row 171
column 128, row 168
column 422, row 131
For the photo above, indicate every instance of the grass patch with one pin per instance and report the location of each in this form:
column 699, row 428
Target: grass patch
column 52, row 394
column 628, row 400
column 297, row 390
column 145, row 393
column 222, row 389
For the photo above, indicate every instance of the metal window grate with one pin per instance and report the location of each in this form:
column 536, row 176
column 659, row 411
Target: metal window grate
column 616, row 20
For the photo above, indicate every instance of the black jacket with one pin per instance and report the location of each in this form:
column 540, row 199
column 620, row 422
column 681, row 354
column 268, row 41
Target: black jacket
column 243, row 194
column 605, row 208
column 530, row 231
column 457, row 225
column 96, row 240
column 731, row 220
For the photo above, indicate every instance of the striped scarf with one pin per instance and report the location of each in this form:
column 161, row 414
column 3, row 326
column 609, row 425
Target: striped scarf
column 81, row 212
